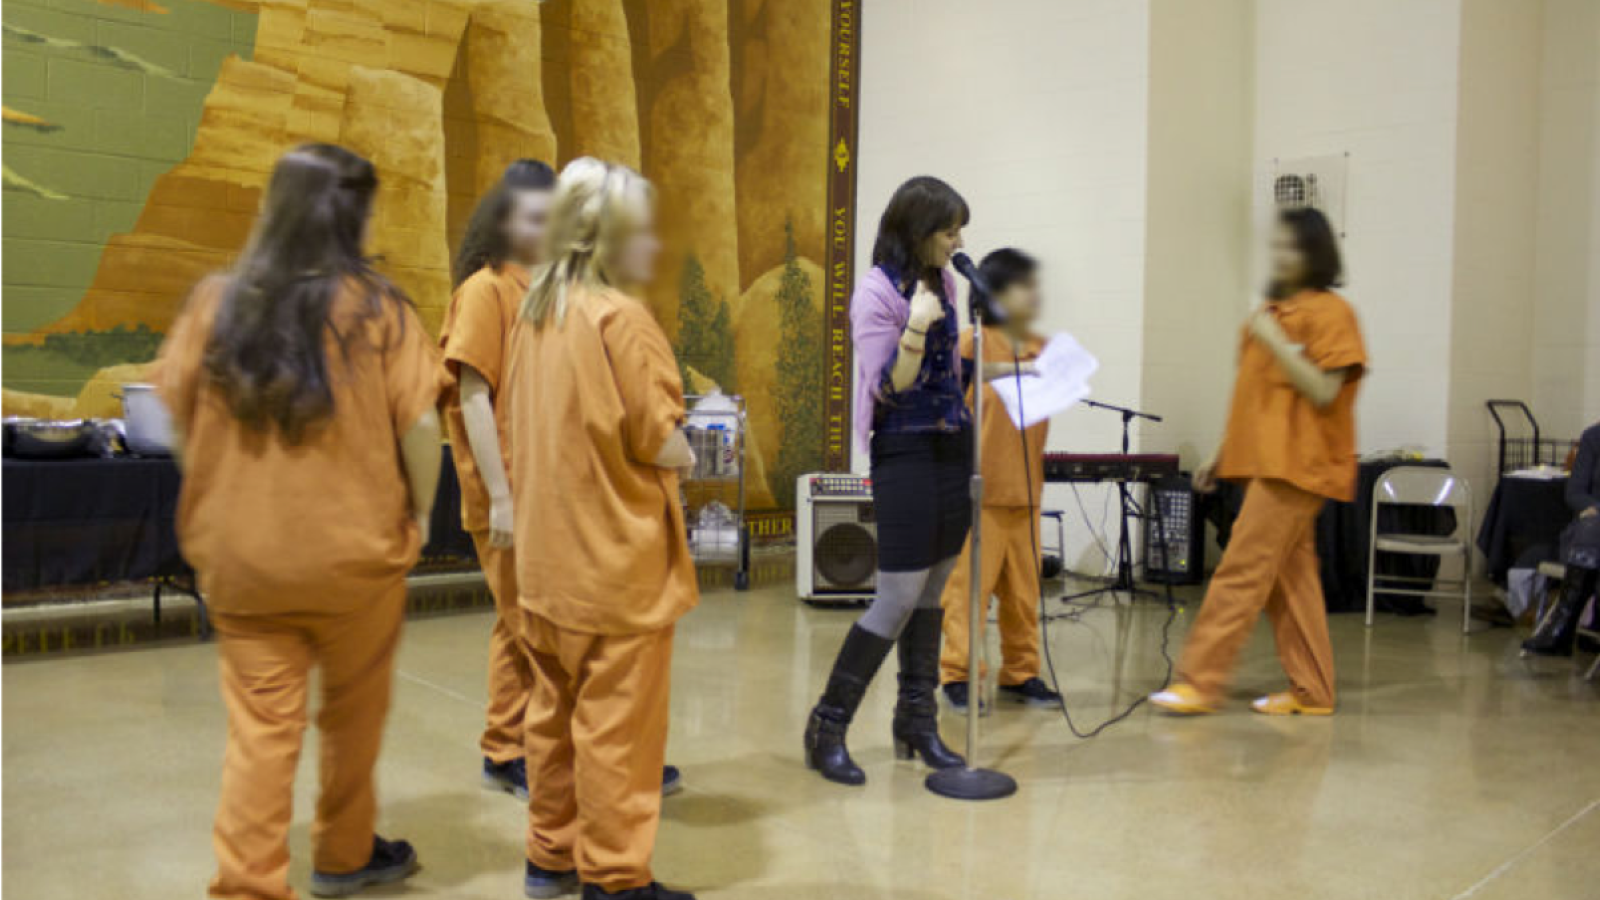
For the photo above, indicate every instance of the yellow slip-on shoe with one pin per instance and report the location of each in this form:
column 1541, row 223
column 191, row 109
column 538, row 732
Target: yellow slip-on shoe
column 1287, row 704
column 1182, row 700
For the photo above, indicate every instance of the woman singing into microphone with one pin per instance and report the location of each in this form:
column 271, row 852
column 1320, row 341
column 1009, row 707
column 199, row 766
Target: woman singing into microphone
column 910, row 399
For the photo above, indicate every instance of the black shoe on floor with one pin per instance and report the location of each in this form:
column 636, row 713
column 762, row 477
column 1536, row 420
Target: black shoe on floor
column 511, row 777
column 391, row 861
column 653, row 891
column 671, row 780
column 546, row 884
column 956, row 694
column 1033, row 692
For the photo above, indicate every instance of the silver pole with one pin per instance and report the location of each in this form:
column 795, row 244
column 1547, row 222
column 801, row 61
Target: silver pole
column 975, row 601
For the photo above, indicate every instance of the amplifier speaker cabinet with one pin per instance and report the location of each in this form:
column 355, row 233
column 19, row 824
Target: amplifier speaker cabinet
column 836, row 539
column 1180, row 531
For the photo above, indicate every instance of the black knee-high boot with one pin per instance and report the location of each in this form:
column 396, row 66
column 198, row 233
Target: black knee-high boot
column 859, row 659
column 916, row 716
column 1556, row 635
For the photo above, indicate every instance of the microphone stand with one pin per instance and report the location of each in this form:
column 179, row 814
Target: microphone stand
column 968, row 782
column 1123, row 582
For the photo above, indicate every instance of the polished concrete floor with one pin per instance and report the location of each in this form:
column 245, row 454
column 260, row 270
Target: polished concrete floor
column 1453, row 770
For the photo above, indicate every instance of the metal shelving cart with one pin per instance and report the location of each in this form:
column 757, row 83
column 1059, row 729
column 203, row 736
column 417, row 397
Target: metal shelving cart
column 1523, row 446
column 714, row 494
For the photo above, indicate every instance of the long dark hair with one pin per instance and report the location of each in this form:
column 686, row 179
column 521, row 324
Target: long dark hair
column 267, row 352
column 1314, row 236
column 919, row 208
column 484, row 243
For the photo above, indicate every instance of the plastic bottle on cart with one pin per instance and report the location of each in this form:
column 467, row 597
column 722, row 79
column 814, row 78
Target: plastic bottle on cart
column 719, row 414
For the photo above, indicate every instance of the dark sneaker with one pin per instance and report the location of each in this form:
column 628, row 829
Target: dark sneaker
column 391, row 861
column 1033, row 692
column 955, row 694
column 671, row 780
column 653, row 891
column 511, row 777
column 545, row 884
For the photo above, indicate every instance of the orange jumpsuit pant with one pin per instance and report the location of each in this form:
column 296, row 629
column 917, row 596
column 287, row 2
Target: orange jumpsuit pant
column 266, row 663
column 1271, row 563
column 596, row 741
column 1010, row 575
column 510, row 678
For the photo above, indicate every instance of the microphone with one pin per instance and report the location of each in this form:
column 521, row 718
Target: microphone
column 981, row 300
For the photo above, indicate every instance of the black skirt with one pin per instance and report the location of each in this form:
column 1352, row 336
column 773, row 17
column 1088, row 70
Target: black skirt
column 920, row 497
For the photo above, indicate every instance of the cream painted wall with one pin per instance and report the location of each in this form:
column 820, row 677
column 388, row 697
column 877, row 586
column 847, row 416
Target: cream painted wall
column 1198, row 235
column 1566, row 340
column 1497, row 174
column 1038, row 117
column 1377, row 79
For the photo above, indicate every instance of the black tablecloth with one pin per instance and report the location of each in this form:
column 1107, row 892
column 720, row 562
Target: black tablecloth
column 89, row 521
column 1344, row 532
column 1523, row 513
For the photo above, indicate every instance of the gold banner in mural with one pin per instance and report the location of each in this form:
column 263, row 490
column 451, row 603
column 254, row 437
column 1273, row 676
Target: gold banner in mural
column 741, row 111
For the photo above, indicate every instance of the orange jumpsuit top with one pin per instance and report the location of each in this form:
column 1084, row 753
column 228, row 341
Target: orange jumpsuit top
column 1273, row 430
column 600, row 540
column 477, row 332
column 323, row 525
column 1005, row 481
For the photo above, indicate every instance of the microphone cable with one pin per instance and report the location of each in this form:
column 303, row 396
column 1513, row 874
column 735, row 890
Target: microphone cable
column 1044, row 616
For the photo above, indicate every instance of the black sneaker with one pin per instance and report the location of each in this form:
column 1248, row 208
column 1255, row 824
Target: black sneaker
column 546, row 884
column 391, row 861
column 671, row 780
column 511, row 776
column 1033, row 692
column 652, row 891
column 955, row 694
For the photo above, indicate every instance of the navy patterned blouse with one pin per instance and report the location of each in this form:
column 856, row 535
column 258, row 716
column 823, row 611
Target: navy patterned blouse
column 936, row 401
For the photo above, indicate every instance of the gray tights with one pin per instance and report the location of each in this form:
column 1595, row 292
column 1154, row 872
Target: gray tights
column 899, row 593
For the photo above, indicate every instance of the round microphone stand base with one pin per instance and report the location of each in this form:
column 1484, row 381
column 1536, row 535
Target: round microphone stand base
column 963, row 783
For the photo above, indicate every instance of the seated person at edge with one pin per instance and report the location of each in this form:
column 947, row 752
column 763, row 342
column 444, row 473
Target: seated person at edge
column 1291, row 439
column 1580, row 552
column 1013, row 485
column 302, row 389
column 603, row 565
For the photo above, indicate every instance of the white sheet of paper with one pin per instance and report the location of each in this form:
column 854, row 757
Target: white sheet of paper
column 1063, row 369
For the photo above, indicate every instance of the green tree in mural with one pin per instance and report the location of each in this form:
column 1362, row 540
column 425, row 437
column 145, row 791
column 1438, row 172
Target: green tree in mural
column 705, row 329
column 802, row 369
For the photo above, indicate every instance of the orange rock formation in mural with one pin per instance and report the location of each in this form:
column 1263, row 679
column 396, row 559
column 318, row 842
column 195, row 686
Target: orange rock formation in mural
column 722, row 103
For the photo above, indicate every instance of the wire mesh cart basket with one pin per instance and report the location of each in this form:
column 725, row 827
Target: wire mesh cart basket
column 1521, row 444
column 714, row 492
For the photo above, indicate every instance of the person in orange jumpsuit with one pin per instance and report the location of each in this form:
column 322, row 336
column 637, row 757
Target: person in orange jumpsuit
column 603, row 564
column 502, row 242
column 1291, row 440
column 302, row 388
column 1013, row 484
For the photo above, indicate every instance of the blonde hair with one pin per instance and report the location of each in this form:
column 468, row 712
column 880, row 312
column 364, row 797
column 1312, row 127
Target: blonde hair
column 596, row 205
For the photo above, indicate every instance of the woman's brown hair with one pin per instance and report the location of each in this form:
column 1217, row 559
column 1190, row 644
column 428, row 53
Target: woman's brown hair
column 484, row 242
column 268, row 349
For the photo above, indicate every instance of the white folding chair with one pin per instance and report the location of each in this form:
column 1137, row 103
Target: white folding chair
column 1422, row 486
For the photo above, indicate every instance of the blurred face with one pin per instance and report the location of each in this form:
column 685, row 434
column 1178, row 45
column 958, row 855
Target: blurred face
column 1285, row 259
column 941, row 245
column 1020, row 302
column 636, row 255
column 526, row 223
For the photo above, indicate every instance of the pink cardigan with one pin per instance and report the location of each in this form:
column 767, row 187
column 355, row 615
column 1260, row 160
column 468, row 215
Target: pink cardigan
column 878, row 314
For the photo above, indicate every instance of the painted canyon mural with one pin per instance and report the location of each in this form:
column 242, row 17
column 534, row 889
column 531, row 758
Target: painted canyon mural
column 139, row 133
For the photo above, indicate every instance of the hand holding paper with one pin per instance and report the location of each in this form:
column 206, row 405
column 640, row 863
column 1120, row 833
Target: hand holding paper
column 1060, row 379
